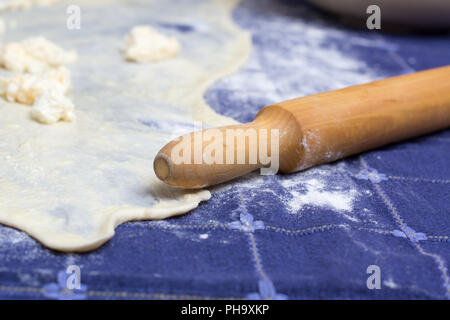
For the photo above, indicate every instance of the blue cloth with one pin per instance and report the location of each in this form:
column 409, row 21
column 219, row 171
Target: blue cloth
column 259, row 237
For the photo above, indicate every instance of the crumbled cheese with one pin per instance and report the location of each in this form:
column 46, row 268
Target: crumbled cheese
column 144, row 45
column 47, row 83
column 34, row 55
column 26, row 88
column 51, row 107
column 46, row 91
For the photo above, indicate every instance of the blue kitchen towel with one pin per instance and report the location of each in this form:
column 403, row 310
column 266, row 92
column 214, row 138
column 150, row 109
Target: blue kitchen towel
column 380, row 219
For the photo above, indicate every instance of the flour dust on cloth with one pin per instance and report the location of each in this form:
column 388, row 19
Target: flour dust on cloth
column 70, row 184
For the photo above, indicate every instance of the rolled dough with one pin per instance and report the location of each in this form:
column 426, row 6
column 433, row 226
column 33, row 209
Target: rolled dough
column 70, row 184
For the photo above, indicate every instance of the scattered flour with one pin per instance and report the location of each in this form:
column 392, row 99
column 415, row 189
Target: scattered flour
column 390, row 284
column 146, row 45
column 12, row 236
column 317, row 196
column 327, row 186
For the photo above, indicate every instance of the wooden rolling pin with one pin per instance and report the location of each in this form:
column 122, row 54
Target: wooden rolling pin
column 316, row 129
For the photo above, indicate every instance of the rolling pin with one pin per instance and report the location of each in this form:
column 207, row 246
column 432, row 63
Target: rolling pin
column 313, row 130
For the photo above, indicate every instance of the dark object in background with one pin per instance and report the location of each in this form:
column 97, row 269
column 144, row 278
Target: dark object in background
column 409, row 13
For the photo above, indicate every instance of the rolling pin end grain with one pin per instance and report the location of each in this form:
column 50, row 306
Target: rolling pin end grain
column 162, row 167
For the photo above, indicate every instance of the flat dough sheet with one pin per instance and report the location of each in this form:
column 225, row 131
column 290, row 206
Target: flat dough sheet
column 70, row 184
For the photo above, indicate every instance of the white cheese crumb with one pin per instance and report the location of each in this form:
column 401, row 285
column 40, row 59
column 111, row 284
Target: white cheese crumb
column 26, row 88
column 51, row 107
column 34, row 55
column 47, row 83
column 145, row 45
column 46, row 91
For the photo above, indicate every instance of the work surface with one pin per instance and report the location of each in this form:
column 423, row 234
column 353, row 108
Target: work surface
column 312, row 234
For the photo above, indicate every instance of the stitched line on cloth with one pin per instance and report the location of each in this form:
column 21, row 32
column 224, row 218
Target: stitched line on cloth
column 441, row 265
column 419, row 179
column 304, row 231
column 119, row 294
column 439, row 238
column 384, row 197
column 256, row 257
column 18, row 289
column 190, row 226
column 329, row 227
column 253, row 246
column 266, row 282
